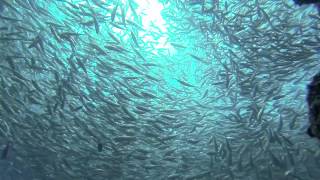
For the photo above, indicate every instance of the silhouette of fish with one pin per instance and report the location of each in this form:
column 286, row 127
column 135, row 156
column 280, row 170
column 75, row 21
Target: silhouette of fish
column 1, row 6
column 5, row 151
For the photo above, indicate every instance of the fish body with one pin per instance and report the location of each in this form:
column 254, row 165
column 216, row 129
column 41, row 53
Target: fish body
column 134, row 39
column 5, row 151
column 1, row 6
column 184, row 83
column 114, row 11
column 100, row 147
column 195, row 2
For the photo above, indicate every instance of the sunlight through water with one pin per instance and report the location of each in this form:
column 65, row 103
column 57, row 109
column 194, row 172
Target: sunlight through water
column 152, row 21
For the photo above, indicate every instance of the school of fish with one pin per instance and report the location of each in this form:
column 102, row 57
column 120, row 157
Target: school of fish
column 87, row 92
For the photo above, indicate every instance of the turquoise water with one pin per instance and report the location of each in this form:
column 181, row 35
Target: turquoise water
column 148, row 89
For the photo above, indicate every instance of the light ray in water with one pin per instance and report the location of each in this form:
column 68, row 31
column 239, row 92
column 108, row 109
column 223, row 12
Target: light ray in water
column 152, row 14
column 152, row 20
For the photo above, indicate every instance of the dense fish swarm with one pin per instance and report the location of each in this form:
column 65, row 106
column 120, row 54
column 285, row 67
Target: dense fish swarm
column 90, row 91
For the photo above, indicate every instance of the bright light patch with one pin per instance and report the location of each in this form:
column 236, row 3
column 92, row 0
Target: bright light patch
column 153, row 21
column 152, row 10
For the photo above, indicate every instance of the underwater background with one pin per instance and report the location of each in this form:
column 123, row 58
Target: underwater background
column 157, row 89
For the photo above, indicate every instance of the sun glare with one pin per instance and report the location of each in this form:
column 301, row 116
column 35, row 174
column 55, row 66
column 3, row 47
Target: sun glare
column 152, row 20
column 152, row 10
